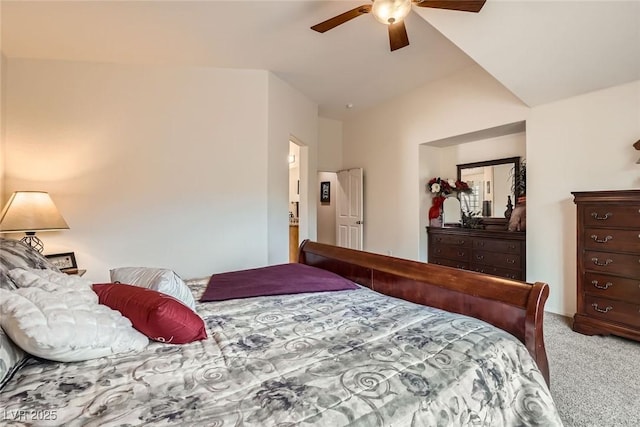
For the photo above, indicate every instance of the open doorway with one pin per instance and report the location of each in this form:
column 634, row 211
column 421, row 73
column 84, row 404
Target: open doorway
column 294, row 200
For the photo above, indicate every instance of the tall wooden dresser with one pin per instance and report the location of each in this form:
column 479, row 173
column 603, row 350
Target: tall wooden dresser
column 496, row 252
column 608, row 279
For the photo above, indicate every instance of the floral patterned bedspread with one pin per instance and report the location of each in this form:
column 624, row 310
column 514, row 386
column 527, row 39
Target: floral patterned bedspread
column 345, row 358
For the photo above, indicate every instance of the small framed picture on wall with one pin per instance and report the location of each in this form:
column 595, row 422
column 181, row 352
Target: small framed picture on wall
column 325, row 192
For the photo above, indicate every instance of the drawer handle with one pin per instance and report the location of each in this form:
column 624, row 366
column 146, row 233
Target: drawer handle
column 460, row 254
column 482, row 243
column 605, row 240
column 599, row 286
column 601, row 310
column 511, row 261
column 461, row 242
column 603, row 264
column 601, row 218
column 514, row 246
column 480, row 257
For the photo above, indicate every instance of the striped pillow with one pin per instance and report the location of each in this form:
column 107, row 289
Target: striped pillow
column 15, row 254
column 12, row 358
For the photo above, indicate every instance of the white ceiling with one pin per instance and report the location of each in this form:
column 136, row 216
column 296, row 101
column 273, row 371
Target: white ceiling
column 540, row 50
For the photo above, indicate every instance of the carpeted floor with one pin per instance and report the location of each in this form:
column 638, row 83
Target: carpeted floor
column 595, row 380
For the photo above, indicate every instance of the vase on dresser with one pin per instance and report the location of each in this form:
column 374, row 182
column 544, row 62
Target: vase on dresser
column 608, row 273
column 435, row 211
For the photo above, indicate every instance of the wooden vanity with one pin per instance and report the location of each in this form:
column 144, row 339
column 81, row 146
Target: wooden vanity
column 497, row 252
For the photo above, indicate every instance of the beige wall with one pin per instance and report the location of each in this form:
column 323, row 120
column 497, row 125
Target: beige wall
column 583, row 143
column 153, row 166
column 327, row 211
column 3, row 75
column 329, row 145
column 578, row 144
column 329, row 162
column 292, row 117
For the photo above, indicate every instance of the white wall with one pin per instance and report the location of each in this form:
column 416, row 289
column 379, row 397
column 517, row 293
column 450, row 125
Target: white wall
column 329, row 162
column 292, row 117
column 151, row 166
column 329, row 145
column 579, row 144
column 3, row 67
column 583, row 143
column 327, row 211
column 3, row 74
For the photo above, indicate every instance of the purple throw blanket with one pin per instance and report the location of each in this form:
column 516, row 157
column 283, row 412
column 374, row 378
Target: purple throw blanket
column 273, row 280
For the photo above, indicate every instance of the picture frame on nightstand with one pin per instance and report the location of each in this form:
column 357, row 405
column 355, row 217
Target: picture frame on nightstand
column 66, row 261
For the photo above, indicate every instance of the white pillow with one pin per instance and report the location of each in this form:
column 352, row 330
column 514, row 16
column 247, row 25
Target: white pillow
column 63, row 321
column 158, row 279
column 48, row 280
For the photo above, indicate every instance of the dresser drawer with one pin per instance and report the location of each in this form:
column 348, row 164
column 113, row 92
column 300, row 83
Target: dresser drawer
column 611, row 216
column 607, row 262
column 451, row 252
column 603, row 239
column 506, row 246
column 612, row 310
column 455, row 247
column 495, row 271
column 453, row 240
column 612, row 287
column 496, row 259
column 450, row 263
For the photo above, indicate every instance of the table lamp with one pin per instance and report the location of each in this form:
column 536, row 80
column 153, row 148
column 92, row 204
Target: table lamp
column 28, row 212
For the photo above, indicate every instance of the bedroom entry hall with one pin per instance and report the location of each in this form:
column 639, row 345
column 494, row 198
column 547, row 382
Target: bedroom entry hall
column 294, row 200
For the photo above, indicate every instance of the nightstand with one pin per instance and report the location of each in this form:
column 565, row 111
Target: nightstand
column 74, row 271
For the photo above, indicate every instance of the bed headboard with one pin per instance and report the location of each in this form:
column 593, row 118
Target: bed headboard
column 516, row 307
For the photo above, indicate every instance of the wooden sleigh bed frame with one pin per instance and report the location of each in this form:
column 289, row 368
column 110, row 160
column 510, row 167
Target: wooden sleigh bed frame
column 516, row 307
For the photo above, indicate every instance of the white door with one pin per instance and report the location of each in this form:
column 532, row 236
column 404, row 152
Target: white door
column 349, row 224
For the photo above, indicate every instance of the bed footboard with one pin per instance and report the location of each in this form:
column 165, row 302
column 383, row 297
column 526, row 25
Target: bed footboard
column 513, row 306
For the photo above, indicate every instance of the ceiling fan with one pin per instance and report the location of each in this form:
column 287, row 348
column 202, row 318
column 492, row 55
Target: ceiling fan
column 392, row 13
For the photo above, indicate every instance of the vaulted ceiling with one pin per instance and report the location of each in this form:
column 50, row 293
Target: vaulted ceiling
column 540, row 50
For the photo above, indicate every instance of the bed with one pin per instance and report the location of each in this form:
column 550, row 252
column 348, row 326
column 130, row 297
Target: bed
column 414, row 345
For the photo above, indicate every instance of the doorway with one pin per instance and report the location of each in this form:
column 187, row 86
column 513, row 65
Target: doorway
column 294, row 200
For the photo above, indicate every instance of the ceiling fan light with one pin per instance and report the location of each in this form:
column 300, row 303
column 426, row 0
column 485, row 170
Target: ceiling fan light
column 390, row 11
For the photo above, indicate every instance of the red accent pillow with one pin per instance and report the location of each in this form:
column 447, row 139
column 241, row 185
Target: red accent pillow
column 159, row 316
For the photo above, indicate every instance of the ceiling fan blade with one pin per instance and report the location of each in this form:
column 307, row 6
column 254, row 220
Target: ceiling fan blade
column 342, row 18
column 398, row 37
column 462, row 5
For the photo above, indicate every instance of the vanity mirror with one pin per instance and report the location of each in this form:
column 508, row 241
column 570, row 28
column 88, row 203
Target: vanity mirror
column 492, row 182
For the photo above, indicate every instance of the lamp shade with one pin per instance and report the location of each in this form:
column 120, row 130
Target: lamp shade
column 30, row 211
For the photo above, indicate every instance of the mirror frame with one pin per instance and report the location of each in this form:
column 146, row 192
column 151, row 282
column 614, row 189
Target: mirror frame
column 491, row 222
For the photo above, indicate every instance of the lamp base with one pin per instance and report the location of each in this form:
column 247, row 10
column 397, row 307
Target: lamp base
column 32, row 241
